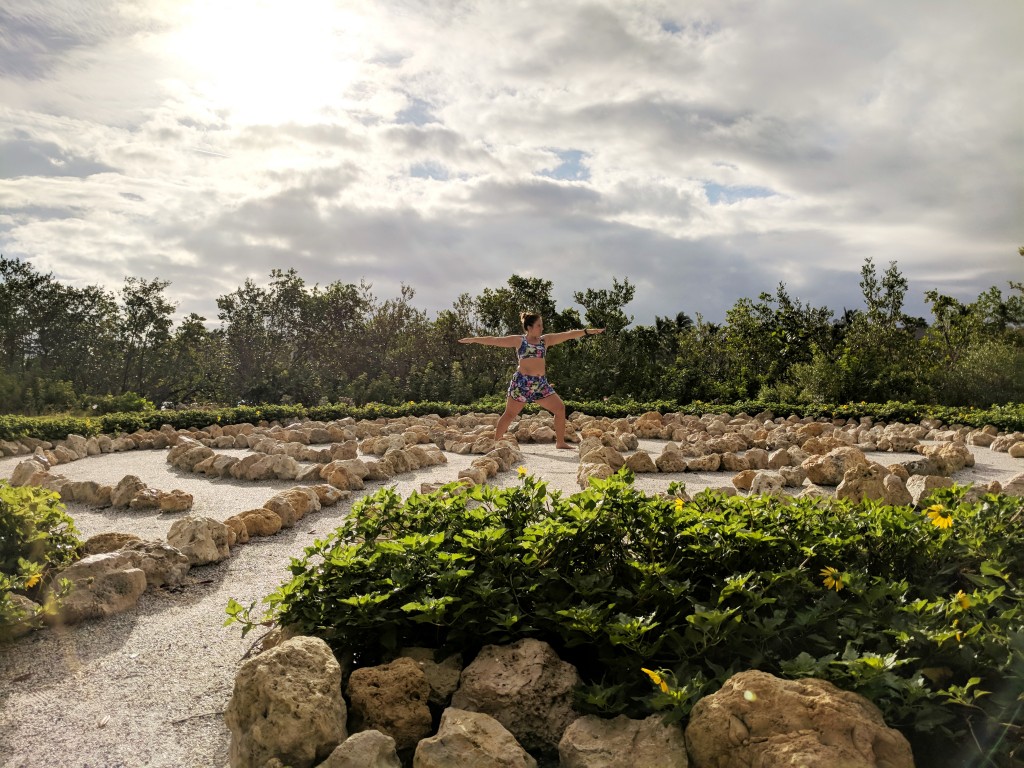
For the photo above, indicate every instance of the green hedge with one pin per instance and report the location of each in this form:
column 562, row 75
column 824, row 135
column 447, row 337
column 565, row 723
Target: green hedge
column 1008, row 417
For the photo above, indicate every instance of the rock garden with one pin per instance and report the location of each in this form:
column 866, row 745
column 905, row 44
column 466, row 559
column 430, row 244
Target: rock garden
column 177, row 525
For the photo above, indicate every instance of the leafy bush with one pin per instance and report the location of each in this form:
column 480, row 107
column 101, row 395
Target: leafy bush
column 129, row 402
column 924, row 619
column 37, row 537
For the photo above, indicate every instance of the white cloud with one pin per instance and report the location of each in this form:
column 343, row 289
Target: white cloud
column 706, row 151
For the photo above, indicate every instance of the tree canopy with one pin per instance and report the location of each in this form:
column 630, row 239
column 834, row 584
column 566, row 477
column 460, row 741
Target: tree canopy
column 288, row 341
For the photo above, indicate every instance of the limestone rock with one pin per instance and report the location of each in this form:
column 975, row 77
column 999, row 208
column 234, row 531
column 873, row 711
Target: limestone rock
column 708, row 463
column 202, row 540
column 147, row 498
column 920, row 486
column 102, row 585
column 328, row 495
column 466, row 738
column 733, row 462
column 862, row 482
column 287, row 704
column 948, row 457
column 812, row 491
column 126, row 489
column 743, row 480
column 107, row 542
column 673, row 461
column 767, row 482
column 442, row 677
column 477, row 474
column 830, row 468
column 793, row 477
column 981, row 438
column 391, row 698
column 640, row 462
column 260, row 522
column 366, row 749
column 1016, row 450
column 759, row 719
column 171, row 502
column 87, row 492
column 592, row 742
column 26, row 470
column 238, row 528
column 588, row 471
column 294, row 504
column 896, row 492
column 757, row 458
column 163, row 565
column 1015, row 486
column 923, row 467
column 525, row 687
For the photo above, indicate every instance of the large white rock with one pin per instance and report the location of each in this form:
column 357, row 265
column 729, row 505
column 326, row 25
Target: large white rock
column 474, row 739
column 525, row 687
column 101, row 585
column 759, row 719
column 201, row 539
column 592, row 742
column 287, row 704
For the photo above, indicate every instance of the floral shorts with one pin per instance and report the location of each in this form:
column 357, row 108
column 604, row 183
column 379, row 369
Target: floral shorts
column 527, row 389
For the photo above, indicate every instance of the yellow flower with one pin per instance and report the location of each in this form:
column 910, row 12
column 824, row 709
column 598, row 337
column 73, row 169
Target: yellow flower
column 32, row 580
column 679, row 504
column 521, row 471
column 940, row 516
column 964, row 600
column 832, row 578
column 657, row 679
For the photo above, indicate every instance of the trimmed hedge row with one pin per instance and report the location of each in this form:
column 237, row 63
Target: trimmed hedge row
column 1008, row 417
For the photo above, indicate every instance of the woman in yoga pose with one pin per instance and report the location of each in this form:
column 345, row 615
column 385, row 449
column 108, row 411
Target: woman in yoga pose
column 529, row 384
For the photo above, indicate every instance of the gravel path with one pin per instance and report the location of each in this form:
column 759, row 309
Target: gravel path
column 149, row 687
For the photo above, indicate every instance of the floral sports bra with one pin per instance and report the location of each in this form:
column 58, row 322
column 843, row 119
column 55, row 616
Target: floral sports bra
column 526, row 349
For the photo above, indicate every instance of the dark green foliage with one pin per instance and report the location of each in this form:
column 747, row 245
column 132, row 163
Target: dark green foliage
column 290, row 342
column 129, row 402
column 926, row 621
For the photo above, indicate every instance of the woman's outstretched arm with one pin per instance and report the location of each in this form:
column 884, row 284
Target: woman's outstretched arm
column 550, row 339
column 493, row 341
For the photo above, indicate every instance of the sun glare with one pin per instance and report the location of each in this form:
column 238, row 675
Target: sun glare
column 268, row 62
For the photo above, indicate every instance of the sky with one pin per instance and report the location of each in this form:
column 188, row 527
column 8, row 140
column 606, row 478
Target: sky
column 706, row 150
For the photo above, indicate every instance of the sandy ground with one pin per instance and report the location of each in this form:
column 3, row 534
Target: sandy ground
column 149, row 687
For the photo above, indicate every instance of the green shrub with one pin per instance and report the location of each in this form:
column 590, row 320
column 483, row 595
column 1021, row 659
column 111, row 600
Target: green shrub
column 924, row 620
column 37, row 538
column 129, row 402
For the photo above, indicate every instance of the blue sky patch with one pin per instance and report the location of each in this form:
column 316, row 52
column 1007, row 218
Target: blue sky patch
column 418, row 113
column 429, row 170
column 719, row 194
column 571, row 167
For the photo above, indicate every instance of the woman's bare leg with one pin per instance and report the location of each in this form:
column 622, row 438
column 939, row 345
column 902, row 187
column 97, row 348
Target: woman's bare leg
column 512, row 409
column 554, row 404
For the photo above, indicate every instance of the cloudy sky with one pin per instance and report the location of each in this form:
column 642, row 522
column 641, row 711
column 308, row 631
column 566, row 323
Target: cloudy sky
column 705, row 149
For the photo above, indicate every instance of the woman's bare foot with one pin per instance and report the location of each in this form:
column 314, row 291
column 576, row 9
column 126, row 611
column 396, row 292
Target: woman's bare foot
column 564, row 446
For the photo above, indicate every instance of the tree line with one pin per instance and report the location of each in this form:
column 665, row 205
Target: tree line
column 70, row 348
